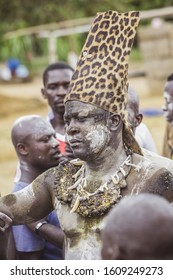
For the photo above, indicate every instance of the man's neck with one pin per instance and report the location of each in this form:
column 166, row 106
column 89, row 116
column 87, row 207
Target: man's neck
column 29, row 173
column 107, row 163
column 58, row 123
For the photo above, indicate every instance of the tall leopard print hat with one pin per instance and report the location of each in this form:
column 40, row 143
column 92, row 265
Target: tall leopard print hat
column 101, row 75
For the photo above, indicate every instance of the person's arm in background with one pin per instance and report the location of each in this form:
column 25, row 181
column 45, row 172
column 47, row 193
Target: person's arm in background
column 37, row 255
column 50, row 232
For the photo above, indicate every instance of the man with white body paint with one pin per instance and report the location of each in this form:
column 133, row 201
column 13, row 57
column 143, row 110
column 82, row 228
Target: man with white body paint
column 110, row 163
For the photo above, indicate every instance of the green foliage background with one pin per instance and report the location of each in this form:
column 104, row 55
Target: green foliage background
column 16, row 14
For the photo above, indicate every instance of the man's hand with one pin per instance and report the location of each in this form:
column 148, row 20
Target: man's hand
column 5, row 222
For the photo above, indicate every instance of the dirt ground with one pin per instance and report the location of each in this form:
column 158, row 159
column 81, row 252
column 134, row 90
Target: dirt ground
column 22, row 99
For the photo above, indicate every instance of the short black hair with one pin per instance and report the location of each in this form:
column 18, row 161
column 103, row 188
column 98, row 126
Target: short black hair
column 54, row 66
column 170, row 78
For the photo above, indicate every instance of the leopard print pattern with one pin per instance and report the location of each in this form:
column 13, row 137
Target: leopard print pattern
column 101, row 75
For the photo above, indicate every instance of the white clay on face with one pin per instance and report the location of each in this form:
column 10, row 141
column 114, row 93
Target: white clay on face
column 98, row 137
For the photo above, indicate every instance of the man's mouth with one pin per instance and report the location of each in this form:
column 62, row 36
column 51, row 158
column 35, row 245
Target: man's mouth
column 59, row 102
column 74, row 142
column 56, row 154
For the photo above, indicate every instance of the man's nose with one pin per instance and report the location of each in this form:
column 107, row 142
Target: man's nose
column 54, row 142
column 61, row 91
column 72, row 128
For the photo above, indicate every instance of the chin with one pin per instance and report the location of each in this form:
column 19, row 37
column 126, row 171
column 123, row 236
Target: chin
column 78, row 154
column 60, row 110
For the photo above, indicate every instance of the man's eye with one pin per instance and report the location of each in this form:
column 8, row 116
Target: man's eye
column 66, row 85
column 51, row 87
column 46, row 139
column 81, row 119
column 66, row 122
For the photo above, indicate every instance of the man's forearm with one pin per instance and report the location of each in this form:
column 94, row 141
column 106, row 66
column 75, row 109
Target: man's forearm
column 50, row 232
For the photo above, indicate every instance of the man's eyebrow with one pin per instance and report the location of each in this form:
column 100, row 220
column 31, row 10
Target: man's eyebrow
column 69, row 115
column 83, row 114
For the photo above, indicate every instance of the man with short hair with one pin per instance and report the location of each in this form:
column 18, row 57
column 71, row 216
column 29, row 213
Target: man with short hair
column 167, row 150
column 56, row 80
column 135, row 119
column 37, row 150
column 140, row 227
column 110, row 163
column 142, row 133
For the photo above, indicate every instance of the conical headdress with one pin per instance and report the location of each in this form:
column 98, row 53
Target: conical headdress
column 101, row 75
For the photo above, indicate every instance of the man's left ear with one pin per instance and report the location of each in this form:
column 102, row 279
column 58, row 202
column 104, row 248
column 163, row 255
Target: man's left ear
column 114, row 121
column 22, row 149
column 43, row 93
column 138, row 119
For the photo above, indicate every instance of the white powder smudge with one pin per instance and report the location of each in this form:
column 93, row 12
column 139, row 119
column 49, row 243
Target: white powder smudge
column 98, row 137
